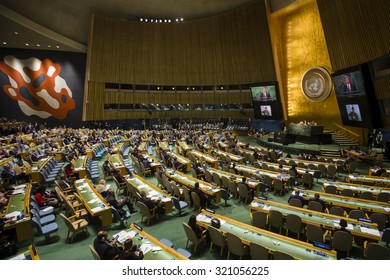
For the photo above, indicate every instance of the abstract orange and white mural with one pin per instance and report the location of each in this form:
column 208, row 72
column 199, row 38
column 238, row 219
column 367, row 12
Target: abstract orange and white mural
column 46, row 87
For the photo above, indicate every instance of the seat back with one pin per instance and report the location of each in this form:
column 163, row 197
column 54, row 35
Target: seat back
column 144, row 209
column 259, row 219
column 314, row 233
column 216, row 236
column 278, row 255
column 380, row 219
column 342, row 241
column 235, row 244
column 315, row 206
column 68, row 223
column 295, row 202
column 331, row 189
column 383, row 197
column 347, row 192
column 375, row 251
column 356, row 214
column 195, row 200
column 176, row 203
column 217, row 179
column 366, row 195
column 337, row 210
column 258, row 252
column 94, row 253
column 275, row 218
column 190, row 233
column 243, row 191
column 176, row 190
column 294, row 223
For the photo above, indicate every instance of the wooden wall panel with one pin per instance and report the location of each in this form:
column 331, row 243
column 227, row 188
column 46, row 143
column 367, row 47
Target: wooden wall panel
column 356, row 31
column 231, row 48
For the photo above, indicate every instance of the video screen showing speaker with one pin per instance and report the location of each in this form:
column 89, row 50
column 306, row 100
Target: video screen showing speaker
column 351, row 86
column 265, row 101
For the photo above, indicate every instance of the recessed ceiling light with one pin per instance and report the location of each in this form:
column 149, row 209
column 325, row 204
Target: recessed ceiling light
column 48, row 46
column 38, row 45
column 151, row 20
column 16, row 33
column 169, row 20
column 57, row 47
column 141, row 19
column 181, row 19
column 27, row 44
column 146, row 20
column 4, row 43
column 160, row 20
column 177, row 20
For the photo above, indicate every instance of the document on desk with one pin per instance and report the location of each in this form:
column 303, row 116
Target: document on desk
column 152, row 193
column 372, row 231
column 13, row 215
column 267, row 207
column 123, row 235
column 203, row 218
column 145, row 248
column 18, row 191
column 93, row 200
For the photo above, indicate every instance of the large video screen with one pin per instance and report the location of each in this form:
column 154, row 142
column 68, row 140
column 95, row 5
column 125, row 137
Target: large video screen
column 263, row 93
column 351, row 91
column 265, row 101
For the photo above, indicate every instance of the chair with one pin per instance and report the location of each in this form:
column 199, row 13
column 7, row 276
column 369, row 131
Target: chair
column 383, row 197
column 386, row 236
column 380, row 219
column 145, row 171
column 263, row 188
column 338, row 211
column 159, row 180
column 278, row 255
column 77, row 210
column 332, row 171
column 179, row 205
column 146, row 212
column 196, row 201
column 217, row 179
column 120, row 186
column 315, row 206
column 347, row 192
column 235, row 246
column 184, row 253
column 293, row 224
column 118, row 218
column 191, row 236
column 166, row 242
column 259, row 219
column 208, row 176
column 233, row 188
column 45, row 230
column 94, row 253
column 177, row 192
column 356, row 214
column 385, row 174
column 352, row 167
column 243, row 192
column 225, row 195
column 315, row 233
column 375, row 251
column 275, row 219
column 278, row 186
column 295, row 202
column 331, row 189
column 45, row 219
column 75, row 226
column 366, row 195
column 187, row 196
column 307, row 180
column 258, row 252
column 322, row 169
column 216, row 238
column 342, row 242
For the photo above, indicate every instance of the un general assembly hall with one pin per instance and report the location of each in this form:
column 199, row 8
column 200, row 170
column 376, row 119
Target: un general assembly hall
column 195, row 130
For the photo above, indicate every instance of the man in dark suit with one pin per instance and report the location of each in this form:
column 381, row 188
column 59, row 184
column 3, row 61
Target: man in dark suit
column 348, row 86
column 151, row 204
column 130, row 251
column 105, row 247
column 119, row 204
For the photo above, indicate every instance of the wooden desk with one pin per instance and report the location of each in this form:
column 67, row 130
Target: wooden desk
column 257, row 171
column 151, row 191
column 272, row 241
column 164, row 145
column 80, row 165
column 189, row 181
column 184, row 145
column 18, row 203
column 209, row 159
column 183, row 160
column 350, row 202
column 233, row 157
column 372, row 171
column 368, row 180
column 254, row 184
column 95, row 204
column 116, row 162
column 35, row 171
column 142, row 237
column 356, row 188
column 327, row 221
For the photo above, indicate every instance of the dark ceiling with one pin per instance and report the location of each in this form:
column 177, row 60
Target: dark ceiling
column 63, row 24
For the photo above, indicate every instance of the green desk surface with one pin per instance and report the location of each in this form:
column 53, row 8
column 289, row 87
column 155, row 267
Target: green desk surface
column 350, row 202
column 270, row 240
column 324, row 220
column 145, row 239
column 92, row 199
column 272, row 174
column 357, row 187
column 200, row 155
column 150, row 190
column 365, row 179
column 234, row 177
